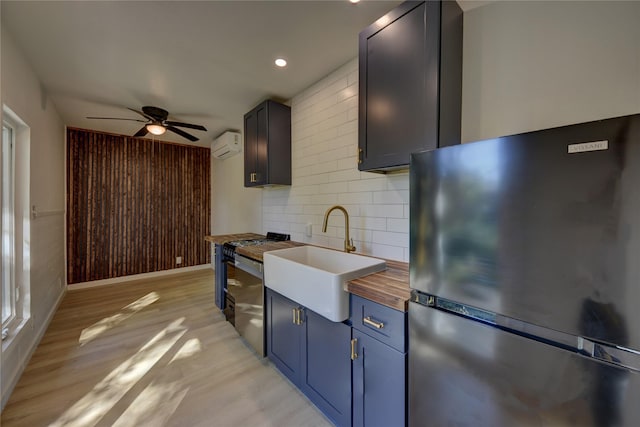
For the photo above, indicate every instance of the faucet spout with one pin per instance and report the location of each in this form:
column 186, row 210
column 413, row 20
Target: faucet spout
column 348, row 243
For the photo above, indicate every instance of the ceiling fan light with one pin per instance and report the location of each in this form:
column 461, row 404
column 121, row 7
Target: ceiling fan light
column 156, row 129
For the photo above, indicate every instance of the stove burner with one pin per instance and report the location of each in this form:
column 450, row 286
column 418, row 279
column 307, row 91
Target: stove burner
column 229, row 248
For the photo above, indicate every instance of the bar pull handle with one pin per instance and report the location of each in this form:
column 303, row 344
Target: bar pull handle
column 354, row 343
column 297, row 318
column 368, row 321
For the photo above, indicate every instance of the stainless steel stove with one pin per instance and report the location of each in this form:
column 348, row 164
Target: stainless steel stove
column 229, row 248
column 244, row 291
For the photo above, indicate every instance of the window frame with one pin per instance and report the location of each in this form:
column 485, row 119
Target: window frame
column 10, row 294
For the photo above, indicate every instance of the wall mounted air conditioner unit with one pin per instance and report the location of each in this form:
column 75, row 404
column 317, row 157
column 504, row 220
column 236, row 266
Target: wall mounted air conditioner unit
column 226, row 145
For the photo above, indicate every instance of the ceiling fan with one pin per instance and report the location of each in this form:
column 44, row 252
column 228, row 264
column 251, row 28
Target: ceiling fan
column 157, row 123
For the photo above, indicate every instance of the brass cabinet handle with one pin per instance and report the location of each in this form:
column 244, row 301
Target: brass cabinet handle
column 297, row 318
column 354, row 355
column 253, row 177
column 378, row 325
column 359, row 155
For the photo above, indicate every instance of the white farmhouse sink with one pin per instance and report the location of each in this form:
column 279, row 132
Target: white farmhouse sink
column 315, row 277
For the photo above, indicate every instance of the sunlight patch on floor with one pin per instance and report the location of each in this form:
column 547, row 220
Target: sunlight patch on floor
column 190, row 348
column 153, row 406
column 89, row 410
column 92, row 332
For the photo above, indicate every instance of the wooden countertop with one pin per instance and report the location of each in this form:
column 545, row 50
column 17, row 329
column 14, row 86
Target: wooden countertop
column 389, row 287
column 221, row 239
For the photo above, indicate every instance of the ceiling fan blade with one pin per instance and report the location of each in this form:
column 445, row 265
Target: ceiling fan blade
column 182, row 133
column 142, row 114
column 117, row 118
column 142, row 132
column 185, row 125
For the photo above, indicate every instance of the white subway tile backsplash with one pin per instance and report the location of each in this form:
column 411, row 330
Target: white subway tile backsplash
column 365, row 197
column 382, row 211
column 350, row 174
column 348, row 163
column 350, row 91
column 390, row 238
column 349, row 127
column 398, row 225
column 325, row 172
column 333, row 188
column 369, row 223
column 388, row 197
column 386, row 251
column 399, row 181
column 352, row 77
column 375, row 184
column 324, row 199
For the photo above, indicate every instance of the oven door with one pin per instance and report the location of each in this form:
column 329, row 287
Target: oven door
column 245, row 294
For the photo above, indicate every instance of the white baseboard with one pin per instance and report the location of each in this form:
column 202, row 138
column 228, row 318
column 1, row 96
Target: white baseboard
column 6, row 392
column 123, row 279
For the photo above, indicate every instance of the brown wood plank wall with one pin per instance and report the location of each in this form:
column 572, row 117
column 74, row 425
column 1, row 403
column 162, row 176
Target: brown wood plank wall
column 134, row 205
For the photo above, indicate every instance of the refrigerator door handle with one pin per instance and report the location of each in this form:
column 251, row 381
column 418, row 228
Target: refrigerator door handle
column 617, row 355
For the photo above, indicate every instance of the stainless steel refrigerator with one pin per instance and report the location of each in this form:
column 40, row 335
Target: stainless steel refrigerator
column 525, row 276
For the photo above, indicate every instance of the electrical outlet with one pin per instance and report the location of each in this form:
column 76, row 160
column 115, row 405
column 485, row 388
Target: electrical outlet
column 178, row 260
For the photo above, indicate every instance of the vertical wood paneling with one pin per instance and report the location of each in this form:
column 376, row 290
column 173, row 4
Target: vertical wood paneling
column 134, row 205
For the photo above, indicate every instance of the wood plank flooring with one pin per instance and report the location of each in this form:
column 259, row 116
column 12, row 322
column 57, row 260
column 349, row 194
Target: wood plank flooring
column 151, row 353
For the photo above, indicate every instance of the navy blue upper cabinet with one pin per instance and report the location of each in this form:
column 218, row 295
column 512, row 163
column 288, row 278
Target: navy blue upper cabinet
column 313, row 352
column 267, row 145
column 410, row 83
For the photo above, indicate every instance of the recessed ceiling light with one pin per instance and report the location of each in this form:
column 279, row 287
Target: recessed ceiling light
column 281, row 62
column 354, row 1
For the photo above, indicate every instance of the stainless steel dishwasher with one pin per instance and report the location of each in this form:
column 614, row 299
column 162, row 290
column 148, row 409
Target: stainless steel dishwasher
column 244, row 307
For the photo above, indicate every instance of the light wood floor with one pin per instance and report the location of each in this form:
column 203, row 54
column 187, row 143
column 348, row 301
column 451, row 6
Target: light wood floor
column 151, row 353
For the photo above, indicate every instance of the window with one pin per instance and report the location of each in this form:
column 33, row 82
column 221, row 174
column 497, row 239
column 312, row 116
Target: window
column 9, row 294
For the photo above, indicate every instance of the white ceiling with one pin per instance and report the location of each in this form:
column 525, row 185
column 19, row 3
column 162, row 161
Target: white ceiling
column 206, row 62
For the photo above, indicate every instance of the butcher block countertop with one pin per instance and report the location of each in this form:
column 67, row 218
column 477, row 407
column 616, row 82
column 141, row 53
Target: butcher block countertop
column 221, row 239
column 389, row 287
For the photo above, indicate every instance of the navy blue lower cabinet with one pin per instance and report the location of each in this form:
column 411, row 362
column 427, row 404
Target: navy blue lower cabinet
column 379, row 383
column 284, row 335
column 313, row 352
column 327, row 379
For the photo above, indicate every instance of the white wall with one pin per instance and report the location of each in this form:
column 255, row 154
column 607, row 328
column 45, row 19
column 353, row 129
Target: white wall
column 540, row 64
column 527, row 66
column 324, row 138
column 234, row 209
column 45, row 267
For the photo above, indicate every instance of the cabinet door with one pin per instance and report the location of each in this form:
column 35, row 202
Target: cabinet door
column 399, row 92
column 284, row 337
column 262, row 145
column 410, row 83
column 327, row 378
column 250, row 147
column 379, row 384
